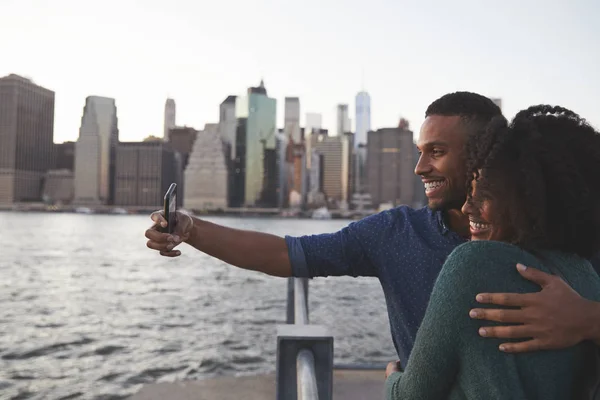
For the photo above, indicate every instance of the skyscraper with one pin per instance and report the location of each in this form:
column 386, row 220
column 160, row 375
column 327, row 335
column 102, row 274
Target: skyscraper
column 292, row 119
column 363, row 125
column 336, row 152
column 363, row 118
column 182, row 140
column 95, row 152
column 313, row 124
column 255, row 147
column 391, row 155
column 284, row 169
column 206, row 175
column 296, row 143
column 26, row 138
column 228, row 123
column 170, row 117
column 144, row 171
column 343, row 119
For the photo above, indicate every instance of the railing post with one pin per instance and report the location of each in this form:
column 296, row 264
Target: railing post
column 300, row 301
column 292, row 341
column 290, row 302
column 305, row 284
column 304, row 352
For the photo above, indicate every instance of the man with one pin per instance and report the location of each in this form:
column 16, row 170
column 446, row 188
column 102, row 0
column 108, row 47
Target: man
column 404, row 248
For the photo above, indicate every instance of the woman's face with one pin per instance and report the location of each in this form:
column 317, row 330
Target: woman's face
column 480, row 217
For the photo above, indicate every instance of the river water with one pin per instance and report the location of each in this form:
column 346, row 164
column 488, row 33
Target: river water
column 88, row 312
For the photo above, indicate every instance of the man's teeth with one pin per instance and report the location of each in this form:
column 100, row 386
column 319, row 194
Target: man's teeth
column 479, row 226
column 433, row 185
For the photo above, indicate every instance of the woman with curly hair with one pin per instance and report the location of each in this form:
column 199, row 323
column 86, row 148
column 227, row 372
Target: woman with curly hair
column 534, row 199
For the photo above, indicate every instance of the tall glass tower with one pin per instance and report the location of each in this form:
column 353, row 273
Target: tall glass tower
column 363, row 118
column 363, row 126
column 256, row 161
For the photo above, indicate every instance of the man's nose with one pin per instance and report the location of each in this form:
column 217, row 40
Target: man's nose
column 422, row 167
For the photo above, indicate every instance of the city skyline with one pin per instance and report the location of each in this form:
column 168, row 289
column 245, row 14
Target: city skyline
column 195, row 58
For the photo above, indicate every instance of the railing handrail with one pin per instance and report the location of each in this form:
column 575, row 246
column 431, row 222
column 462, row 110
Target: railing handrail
column 307, row 380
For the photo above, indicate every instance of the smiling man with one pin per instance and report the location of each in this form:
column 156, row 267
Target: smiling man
column 403, row 247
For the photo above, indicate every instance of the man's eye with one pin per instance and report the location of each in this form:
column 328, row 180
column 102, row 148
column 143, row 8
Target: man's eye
column 437, row 152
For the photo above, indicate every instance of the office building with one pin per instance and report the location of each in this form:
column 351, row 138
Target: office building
column 228, row 123
column 313, row 124
column 337, row 153
column 207, row 175
column 315, row 178
column 59, row 186
column 64, row 156
column 182, row 140
column 363, row 118
column 363, row 125
column 390, row 162
column 255, row 149
column 284, row 169
column 144, row 172
column 343, row 119
column 26, row 138
column 292, row 119
column 95, row 152
column 170, row 117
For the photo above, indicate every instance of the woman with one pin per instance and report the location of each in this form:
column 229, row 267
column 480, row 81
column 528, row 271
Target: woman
column 534, row 199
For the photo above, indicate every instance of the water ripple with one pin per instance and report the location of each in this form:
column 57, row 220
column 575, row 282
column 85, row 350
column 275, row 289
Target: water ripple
column 99, row 320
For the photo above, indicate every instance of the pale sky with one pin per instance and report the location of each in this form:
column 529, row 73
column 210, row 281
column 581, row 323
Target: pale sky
column 200, row 51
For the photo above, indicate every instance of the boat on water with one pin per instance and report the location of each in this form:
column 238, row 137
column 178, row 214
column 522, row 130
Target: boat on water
column 84, row 210
column 321, row 213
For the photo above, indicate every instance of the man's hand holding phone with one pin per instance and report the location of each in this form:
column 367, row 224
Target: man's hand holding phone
column 166, row 243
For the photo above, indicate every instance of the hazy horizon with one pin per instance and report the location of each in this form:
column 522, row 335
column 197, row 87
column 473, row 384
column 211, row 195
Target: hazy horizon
column 199, row 52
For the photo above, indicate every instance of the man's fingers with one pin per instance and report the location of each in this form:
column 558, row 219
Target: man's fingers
column 535, row 275
column 507, row 332
column 156, row 236
column 505, row 299
column 158, row 218
column 160, row 246
column 511, row 316
column 522, row 347
column 173, row 253
column 163, row 243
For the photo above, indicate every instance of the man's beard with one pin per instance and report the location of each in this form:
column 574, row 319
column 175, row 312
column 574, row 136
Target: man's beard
column 447, row 203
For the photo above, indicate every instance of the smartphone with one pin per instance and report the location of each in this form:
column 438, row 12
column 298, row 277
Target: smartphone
column 170, row 208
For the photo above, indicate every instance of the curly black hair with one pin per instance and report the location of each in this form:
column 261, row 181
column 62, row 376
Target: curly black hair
column 474, row 109
column 541, row 174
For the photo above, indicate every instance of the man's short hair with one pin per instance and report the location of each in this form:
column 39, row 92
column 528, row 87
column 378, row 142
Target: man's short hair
column 476, row 110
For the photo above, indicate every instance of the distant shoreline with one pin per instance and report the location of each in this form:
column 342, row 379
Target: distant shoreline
column 115, row 210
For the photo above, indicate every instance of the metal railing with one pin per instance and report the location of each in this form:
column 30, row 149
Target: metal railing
column 300, row 301
column 307, row 380
column 304, row 351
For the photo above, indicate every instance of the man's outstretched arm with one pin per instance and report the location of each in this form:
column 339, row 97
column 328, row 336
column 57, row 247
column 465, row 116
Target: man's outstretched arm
column 331, row 254
column 556, row 317
column 255, row 251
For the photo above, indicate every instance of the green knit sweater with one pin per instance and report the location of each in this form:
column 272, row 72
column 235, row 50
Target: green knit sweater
column 451, row 361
